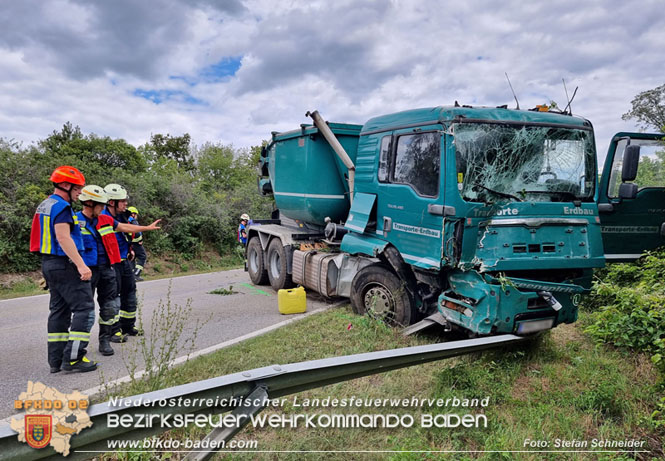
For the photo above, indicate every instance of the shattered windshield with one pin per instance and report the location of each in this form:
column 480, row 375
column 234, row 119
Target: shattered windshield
column 498, row 162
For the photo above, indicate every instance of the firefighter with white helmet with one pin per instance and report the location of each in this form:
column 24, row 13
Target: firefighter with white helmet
column 100, row 254
column 116, row 208
column 242, row 228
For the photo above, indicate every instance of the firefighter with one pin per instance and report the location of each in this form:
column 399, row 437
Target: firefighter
column 57, row 236
column 116, row 208
column 242, row 229
column 140, row 255
column 100, row 254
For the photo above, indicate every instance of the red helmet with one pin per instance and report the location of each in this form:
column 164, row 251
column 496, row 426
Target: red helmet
column 68, row 174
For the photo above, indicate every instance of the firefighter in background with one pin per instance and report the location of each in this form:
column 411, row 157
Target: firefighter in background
column 57, row 236
column 140, row 255
column 116, row 208
column 101, row 252
column 242, row 229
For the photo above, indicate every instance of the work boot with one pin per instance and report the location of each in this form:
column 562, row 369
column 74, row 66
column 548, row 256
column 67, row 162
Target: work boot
column 118, row 337
column 138, row 278
column 133, row 331
column 55, row 369
column 104, row 346
column 83, row 365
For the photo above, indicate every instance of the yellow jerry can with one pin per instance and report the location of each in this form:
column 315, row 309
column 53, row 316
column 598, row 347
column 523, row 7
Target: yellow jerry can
column 293, row 301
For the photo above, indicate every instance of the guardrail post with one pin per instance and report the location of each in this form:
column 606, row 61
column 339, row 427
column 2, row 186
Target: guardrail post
column 224, row 434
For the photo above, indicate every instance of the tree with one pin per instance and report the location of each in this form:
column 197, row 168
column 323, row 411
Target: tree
column 90, row 152
column 173, row 147
column 649, row 109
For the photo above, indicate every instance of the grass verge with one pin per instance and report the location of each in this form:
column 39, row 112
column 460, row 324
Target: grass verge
column 27, row 284
column 562, row 387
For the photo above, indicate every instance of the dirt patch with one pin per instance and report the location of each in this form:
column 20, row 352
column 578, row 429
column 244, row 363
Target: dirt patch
column 9, row 280
column 563, row 334
column 521, row 388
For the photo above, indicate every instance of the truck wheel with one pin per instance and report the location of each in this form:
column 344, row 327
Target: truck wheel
column 255, row 262
column 378, row 292
column 277, row 274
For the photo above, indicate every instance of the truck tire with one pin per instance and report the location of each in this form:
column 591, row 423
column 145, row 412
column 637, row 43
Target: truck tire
column 276, row 260
column 378, row 292
column 256, row 263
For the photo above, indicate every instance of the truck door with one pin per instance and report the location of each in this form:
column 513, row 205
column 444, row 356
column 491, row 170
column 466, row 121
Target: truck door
column 410, row 194
column 631, row 197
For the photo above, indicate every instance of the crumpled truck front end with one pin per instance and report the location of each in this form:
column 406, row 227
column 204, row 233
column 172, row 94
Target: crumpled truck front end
column 495, row 303
column 522, row 268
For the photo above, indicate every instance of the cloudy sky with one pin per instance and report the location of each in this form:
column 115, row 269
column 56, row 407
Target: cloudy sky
column 232, row 71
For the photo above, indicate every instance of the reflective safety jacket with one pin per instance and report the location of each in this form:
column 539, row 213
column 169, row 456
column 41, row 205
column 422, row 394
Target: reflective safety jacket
column 42, row 234
column 137, row 237
column 121, row 237
column 241, row 229
column 105, row 230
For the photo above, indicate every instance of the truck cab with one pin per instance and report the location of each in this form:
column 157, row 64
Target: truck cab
column 492, row 209
column 484, row 219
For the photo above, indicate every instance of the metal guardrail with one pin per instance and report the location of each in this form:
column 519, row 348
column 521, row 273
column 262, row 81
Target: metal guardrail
column 273, row 381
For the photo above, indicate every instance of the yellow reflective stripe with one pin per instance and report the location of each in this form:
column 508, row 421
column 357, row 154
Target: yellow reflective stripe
column 46, row 235
column 79, row 335
column 127, row 315
column 79, row 338
column 56, row 337
column 85, row 231
column 105, row 230
column 110, row 321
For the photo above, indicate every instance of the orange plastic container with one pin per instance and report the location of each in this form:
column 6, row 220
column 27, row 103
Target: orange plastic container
column 293, row 301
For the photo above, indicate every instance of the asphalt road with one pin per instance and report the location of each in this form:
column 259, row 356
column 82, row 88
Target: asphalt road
column 23, row 329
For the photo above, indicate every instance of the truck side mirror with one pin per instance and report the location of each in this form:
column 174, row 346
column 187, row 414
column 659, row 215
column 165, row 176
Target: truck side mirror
column 628, row 190
column 631, row 159
column 264, row 151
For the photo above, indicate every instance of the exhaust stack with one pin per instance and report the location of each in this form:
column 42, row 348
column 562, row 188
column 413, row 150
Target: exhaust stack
column 337, row 147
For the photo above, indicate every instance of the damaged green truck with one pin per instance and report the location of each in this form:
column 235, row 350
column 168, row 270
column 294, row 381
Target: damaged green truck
column 487, row 220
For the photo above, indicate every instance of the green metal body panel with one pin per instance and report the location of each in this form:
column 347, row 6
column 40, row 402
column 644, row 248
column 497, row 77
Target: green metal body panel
column 632, row 226
column 436, row 115
column 360, row 212
column 532, row 236
column 357, row 244
column 306, row 175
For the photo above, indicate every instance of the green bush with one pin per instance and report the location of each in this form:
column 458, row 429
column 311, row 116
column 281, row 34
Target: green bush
column 628, row 310
column 199, row 193
column 628, row 304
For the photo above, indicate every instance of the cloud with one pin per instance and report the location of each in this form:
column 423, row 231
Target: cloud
column 91, row 39
column 233, row 72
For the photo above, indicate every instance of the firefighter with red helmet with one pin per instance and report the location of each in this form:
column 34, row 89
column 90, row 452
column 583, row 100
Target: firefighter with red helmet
column 56, row 235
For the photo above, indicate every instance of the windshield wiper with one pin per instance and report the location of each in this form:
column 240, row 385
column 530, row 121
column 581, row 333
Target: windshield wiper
column 500, row 194
column 562, row 193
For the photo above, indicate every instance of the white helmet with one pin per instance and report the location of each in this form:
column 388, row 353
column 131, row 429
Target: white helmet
column 93, row 193
column 115, row 192
column 244, row 217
